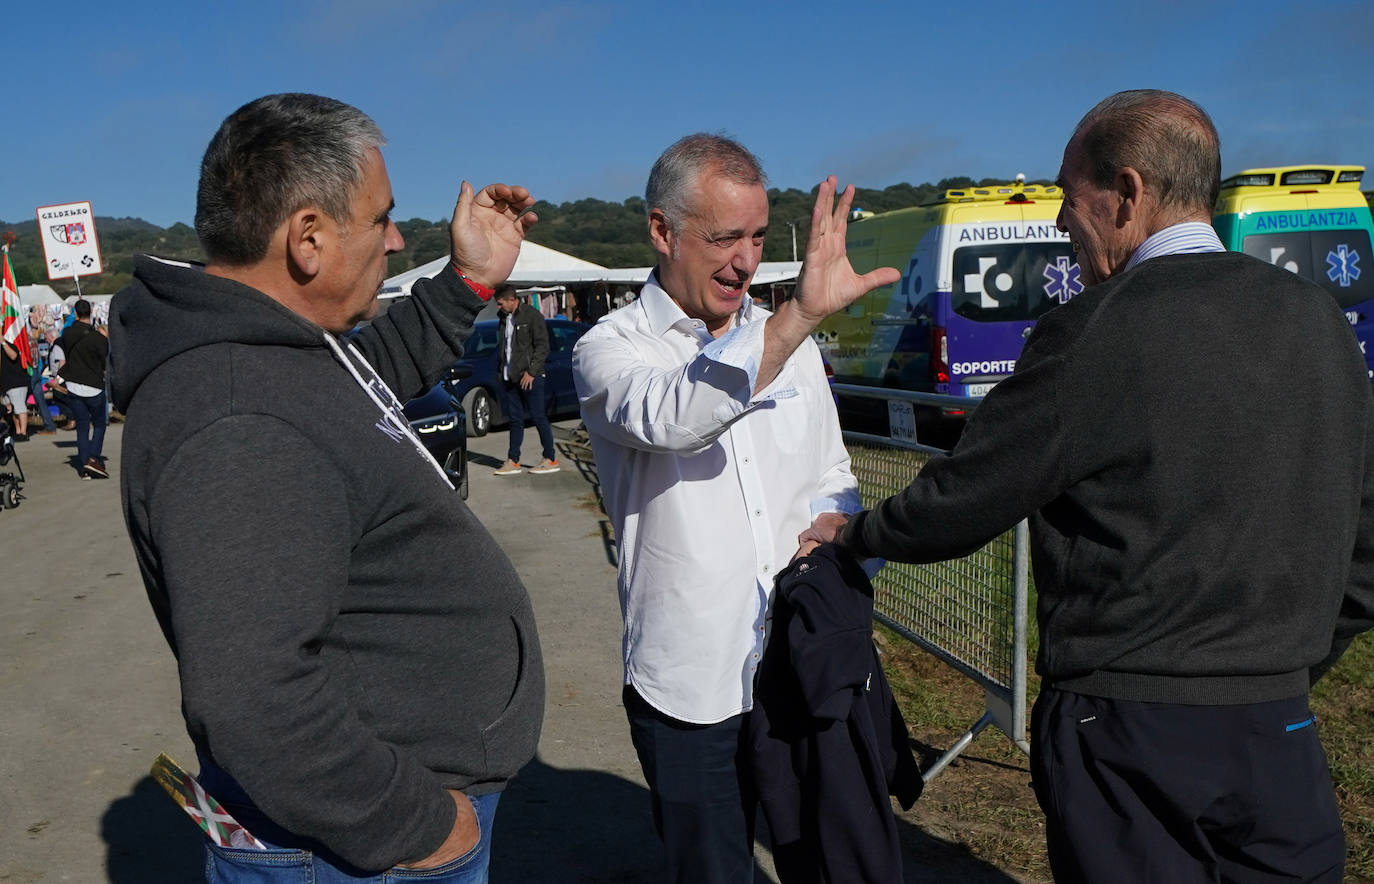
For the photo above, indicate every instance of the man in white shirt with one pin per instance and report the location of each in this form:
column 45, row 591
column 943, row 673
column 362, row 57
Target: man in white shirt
column 716, row 444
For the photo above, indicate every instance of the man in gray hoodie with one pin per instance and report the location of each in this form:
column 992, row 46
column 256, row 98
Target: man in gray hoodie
column 359, row 666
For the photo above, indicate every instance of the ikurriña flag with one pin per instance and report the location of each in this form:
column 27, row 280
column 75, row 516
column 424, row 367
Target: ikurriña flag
column 15, row 328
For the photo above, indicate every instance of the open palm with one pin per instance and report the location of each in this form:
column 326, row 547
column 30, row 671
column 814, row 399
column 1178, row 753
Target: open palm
column 828, row 282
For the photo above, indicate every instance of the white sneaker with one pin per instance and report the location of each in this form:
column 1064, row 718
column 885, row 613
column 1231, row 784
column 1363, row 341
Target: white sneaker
column 546, row 466
column 509, row 468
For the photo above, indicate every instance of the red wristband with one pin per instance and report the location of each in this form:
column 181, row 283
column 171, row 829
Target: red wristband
column 477, row 288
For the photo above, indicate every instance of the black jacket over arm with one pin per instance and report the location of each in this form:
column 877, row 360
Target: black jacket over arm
column 826, row 739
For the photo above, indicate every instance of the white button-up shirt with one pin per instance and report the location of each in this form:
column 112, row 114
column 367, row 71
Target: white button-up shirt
column 707, row 486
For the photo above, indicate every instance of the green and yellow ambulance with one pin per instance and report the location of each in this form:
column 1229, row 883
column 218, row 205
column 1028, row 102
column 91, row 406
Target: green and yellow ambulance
column 1312, row 220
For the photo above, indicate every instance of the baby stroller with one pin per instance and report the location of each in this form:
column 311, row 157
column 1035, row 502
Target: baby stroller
column 10, row 482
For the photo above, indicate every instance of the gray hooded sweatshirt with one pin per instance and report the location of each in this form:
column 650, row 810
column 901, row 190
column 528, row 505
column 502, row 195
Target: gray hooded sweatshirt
column 350, row 640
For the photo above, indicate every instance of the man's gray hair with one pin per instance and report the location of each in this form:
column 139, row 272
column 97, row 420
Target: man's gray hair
column 272, row 157
column 675, row 173
column 1165, row 137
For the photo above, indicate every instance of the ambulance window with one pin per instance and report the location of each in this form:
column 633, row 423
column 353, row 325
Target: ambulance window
column 1337, row 260
column 1014, row 281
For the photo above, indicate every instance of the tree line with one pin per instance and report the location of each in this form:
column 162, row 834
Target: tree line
column 608, row 233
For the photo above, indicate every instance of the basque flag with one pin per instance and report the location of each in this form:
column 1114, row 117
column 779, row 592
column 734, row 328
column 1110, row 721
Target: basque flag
column 15, row 328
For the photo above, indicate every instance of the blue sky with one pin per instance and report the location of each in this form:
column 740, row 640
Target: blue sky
column 115, row 102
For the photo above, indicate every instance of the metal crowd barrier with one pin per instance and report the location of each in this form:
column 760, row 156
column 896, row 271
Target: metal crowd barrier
column 969, row 612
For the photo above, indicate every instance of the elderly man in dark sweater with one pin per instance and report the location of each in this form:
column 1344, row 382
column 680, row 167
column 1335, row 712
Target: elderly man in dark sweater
column 1193, row 440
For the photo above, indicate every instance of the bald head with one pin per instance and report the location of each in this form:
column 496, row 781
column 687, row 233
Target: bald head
column 1165, row 137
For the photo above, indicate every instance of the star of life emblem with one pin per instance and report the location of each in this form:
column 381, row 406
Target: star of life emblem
column 1063, row 278
column 1343, row 265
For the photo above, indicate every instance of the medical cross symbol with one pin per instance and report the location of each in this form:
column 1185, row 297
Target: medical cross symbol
column 1064, row 279
column 1343, row 265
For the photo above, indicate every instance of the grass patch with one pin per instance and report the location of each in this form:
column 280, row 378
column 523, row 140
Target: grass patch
column 1344, row 704
column 983, row 800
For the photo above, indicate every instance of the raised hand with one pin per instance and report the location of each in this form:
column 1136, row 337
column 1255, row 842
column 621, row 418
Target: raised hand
column 828, row 282
column 487, row 229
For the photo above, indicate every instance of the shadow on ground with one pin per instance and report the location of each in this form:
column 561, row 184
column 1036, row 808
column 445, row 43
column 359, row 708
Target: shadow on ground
column 592, row 827
column 149, row 838
column 483, row 460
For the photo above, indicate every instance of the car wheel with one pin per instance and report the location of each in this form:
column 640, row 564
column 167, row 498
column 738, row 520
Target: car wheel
column 477, row 404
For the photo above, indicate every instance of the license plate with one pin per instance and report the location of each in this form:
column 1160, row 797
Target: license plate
column 978, row 389
column 901, row 420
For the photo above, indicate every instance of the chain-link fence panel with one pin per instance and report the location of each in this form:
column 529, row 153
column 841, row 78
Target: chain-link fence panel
column 961, row 610
column 969, row 612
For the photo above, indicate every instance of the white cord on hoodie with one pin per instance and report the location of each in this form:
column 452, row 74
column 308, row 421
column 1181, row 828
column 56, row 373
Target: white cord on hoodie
column 392, row 411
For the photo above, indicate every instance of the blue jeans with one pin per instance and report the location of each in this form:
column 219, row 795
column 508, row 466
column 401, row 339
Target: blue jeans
column 278, row 865
column 520, row 402
column 90, row 426
column 36, row 388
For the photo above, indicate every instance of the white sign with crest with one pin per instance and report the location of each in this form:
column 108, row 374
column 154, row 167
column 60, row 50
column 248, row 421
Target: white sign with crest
column 69, row 244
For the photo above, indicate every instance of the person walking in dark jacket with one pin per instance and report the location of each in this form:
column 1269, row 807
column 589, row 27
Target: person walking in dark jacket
column 1192, row 438
column 522, row 347
column 83, row 374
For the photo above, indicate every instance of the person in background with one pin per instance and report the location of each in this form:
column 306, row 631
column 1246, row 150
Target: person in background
column 39, row 345
column 85, row 351
column 522, row 347
column 14, row 388
column 59, row 392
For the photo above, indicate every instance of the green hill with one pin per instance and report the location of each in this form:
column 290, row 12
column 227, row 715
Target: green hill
column 120, row 239
column 608, row 233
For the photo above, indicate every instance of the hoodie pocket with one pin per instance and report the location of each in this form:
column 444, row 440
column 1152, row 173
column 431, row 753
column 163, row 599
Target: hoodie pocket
column 510, row 740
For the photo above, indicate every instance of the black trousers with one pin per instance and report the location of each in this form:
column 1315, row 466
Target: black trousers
column 1173, row 793
column 703, row 799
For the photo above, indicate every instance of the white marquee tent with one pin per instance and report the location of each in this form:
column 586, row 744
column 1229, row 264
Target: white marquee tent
column 536, row 265
column 38, row 295
column 542, row 266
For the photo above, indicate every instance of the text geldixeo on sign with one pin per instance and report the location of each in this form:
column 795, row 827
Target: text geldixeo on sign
column 69, row 244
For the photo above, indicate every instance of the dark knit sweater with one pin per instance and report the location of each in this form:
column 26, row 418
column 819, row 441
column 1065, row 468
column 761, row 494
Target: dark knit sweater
column 1193, row 442
column 351, row 641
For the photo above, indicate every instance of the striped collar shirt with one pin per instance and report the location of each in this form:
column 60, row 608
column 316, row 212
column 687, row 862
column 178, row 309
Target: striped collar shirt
column 1177, row 239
